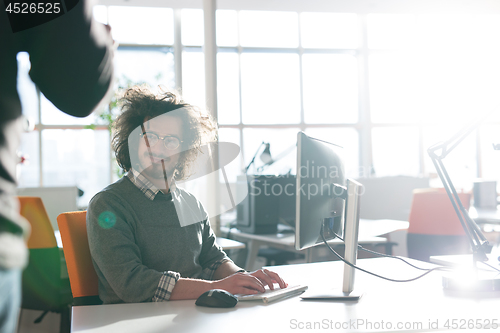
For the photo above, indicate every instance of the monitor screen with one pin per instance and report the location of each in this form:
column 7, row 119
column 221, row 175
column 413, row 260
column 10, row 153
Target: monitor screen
column 319, row 166
column 327, row 206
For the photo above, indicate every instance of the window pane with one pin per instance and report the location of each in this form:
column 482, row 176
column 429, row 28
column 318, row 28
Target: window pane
column 53, row 116
column 100, row 14
column 432, row 87
column 151, row 66
column 142, row 25
column 459, row 31
column 29, row 171
column 228, row 92
column 455, row 85
column 391, row 31
column 394, row 91
column 268, row 29
column 227, row 27
column 76, row 157
column 270, row 88
column 347, row 138
column 456, row 79
column 330, row 88
column 234, row 168
column 282, row 146
column 26, row 88
column 444, row 77
column 395, row 151
column 329, row 30
column 193, row 78
column 192, row 27
column 460, row 163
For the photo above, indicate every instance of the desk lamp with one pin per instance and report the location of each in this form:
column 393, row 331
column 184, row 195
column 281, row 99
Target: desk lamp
column 265, row 156
column 271, row 160
column 479, row 244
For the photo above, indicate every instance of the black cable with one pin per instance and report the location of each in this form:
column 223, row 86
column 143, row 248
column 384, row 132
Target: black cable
column 496, row 269
column 376, row 275
column 399, row 258
column 393, row 257
column 382, row 254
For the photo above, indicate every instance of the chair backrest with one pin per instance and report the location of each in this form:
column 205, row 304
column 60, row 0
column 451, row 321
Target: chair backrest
column 56, row 199
column 432, row 213
column 82, row 275
column 43, row 284
column 42, row 234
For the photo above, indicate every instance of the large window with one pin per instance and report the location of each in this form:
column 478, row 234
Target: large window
column 385, row 86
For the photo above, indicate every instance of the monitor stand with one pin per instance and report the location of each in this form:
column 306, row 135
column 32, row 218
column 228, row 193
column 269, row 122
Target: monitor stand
column 347, row 293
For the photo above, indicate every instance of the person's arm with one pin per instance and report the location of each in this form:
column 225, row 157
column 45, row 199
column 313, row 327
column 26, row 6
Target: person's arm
column 226, row 269
column 71, row 60
column 223, row 273
column 228, row 277
column 117, row 257
column 190, row 288
column 264, row 276
column 237, row 283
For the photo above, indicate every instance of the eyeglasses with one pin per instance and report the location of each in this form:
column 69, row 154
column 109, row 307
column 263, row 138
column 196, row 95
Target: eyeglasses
column 171, row 142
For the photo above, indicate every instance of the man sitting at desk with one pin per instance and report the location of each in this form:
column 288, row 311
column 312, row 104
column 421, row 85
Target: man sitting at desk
column 149, row 239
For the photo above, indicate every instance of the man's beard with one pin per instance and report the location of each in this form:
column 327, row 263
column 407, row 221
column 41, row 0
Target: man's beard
column 160, row 171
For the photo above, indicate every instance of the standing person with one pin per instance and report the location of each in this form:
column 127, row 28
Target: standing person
column 151, row 240
column 71, row 63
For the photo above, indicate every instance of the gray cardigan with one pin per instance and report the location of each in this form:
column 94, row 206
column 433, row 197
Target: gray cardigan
column 133, row 240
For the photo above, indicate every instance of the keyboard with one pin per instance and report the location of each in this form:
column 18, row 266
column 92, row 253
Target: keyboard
column 274, row 295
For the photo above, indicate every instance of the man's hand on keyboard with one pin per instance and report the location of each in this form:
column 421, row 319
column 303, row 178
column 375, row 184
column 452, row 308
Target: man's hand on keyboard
column 249, row 283
column 269, row 277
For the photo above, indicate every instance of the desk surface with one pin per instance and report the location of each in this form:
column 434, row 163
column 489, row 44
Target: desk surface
column 385, row 305
column 229, row 244
column 467, row 260
column 288, row 240
column 369, row 230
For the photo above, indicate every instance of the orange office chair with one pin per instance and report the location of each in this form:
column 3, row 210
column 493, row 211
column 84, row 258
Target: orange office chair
column 434, row 226
column 43, row 286
column 82, row 275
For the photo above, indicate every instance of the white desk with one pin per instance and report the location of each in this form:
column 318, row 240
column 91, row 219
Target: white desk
column 229, row 244
column 369, row 230
column 415, row 304
column 466, row 260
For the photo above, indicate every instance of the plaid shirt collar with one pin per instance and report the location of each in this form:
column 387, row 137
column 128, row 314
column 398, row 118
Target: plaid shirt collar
column 144, row 185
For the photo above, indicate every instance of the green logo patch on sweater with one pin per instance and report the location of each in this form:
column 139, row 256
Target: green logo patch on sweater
column 107, row 219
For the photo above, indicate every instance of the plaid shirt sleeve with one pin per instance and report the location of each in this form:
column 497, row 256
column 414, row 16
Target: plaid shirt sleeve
column 165, row 286
column 208, row 273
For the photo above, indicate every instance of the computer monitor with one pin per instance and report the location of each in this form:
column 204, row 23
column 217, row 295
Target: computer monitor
column 326, row 199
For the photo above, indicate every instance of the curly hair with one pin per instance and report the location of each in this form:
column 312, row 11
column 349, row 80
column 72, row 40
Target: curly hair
column 140, row 104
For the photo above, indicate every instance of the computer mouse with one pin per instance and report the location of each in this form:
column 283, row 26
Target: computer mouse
column 217, row 298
